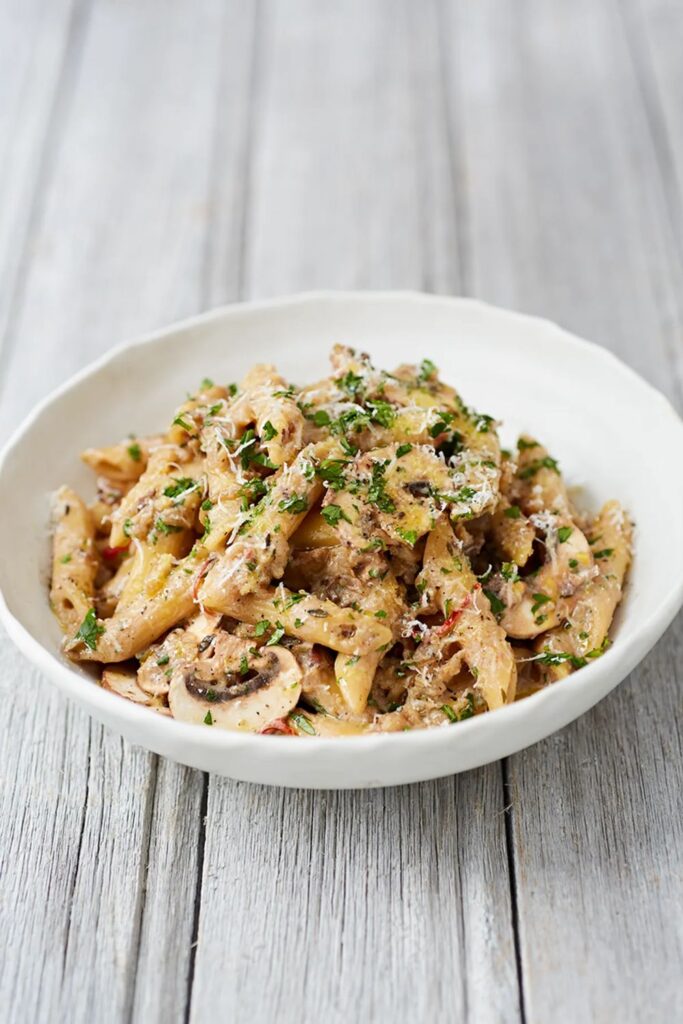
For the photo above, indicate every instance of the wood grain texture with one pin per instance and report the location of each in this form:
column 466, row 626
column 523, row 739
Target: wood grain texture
column 160, row 157
column 350, row 170
column 574, row 224
column 39, row 50
column 378, row 905
column 321, row 885
column 101, row 871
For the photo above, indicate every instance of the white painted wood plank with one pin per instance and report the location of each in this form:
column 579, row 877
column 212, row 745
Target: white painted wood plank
column 105, row 874
column 365, row 906
column 39, row 46
column 598, row 816
column 164, row 963
column 566, row 214
column 125, row 221
column 168, row 934
column 568, row 218
column 654, row 31
column 380, row 905
column 351, row 178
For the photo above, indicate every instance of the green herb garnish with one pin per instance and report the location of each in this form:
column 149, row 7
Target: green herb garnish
column 294, row 504
column 276, row 635
column 302, row 722
column 90, row 630
column 533, row 467
column 497, row 606
column 333, row 513
column 179, row 486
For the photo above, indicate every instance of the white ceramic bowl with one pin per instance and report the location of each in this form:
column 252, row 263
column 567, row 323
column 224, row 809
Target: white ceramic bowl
column 614, row 435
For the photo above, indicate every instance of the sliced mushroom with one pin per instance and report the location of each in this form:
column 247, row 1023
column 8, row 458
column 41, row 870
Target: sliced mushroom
column 245, row 702
column 123, row 681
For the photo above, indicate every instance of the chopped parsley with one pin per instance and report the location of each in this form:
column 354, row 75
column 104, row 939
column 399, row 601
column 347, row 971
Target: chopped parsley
column 376, row 544
column 294, row 504
column 302, row 722
column 454, row 716
column 261, row 627
column 349, row 448
column 180, row 422
column 497, row 606
column 441, row 425
column 208, row 718
column 321, row 418
column 604, row 553
column 576, row 661
column 524, row 446
column 65, row 559
column 564, row 533
column 252, row 491
column 427, row 370
column 483, row 423
column 409, row 536
column 268, row 431
column 90, row 630
column 163, row 660
column 127, row 527
column 161, row 527
column 331, row 472
column 351, row 382
column 135, row 451
column 333, row 513
column 468, row 710
column 403, row 449
column 276, row 635
column 381, row 412
column 206, row 384
column 179, row 486
column 513, row 512
column 376, row 489
column 539, row 601
column 545, row 463
column 244, row 665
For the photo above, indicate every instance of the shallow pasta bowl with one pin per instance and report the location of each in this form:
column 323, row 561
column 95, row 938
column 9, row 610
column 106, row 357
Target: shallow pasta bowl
column 614, row 435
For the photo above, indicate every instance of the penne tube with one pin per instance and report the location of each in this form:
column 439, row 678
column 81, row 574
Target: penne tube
column 468, row 619
column 313, row 619
column 591, row 610
column 74, row 562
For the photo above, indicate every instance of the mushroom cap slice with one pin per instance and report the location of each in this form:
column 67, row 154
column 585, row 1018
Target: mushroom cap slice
column 124, row 682
column 245, row 703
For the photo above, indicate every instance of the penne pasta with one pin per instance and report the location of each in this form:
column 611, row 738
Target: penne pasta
column 74, row 564
column 356, row 555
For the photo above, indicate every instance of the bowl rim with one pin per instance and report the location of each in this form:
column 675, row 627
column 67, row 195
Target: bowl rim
column 624, row 655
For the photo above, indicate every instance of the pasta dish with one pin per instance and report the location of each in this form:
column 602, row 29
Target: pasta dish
column 355, row 555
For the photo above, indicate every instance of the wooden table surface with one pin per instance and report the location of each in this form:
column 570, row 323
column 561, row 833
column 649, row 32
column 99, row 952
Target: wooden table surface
column 158, row 157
